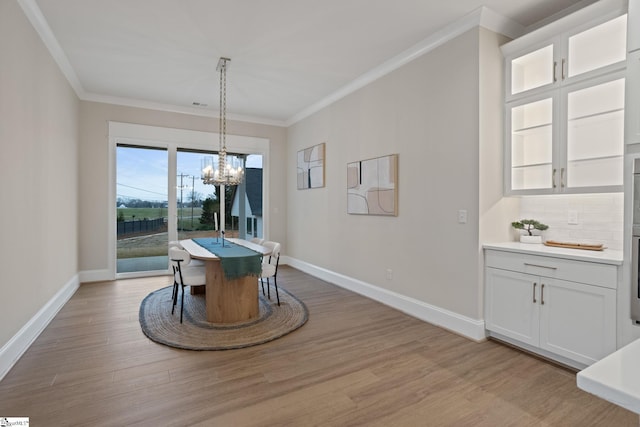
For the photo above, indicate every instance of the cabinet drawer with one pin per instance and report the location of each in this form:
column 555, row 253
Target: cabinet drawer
column 593, row 273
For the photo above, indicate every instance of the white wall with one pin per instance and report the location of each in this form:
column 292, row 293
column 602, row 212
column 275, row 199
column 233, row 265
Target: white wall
column 428, row 112
column 39, row 174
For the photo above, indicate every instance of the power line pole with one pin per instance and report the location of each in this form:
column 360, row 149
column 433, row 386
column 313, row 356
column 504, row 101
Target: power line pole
column 193, row 194
column 181, row 203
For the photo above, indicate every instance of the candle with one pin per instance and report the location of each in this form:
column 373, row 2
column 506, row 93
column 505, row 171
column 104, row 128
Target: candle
column 215, row 221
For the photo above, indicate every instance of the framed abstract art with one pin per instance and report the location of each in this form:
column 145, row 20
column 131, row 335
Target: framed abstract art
column 310, row 167
column 372, row 186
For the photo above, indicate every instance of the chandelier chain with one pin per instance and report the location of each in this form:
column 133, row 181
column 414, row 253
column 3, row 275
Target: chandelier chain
column 229, row 171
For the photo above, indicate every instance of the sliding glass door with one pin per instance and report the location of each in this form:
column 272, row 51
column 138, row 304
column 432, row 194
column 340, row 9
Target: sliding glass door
column 154, row 206
column 141, row 209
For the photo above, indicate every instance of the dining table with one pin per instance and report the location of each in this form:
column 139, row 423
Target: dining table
column 228, row 300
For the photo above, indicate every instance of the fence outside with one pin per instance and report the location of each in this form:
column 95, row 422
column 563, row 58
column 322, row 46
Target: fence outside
column 138, row 226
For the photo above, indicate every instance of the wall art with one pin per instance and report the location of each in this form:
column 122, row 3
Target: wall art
column 372, row 186
column 310, row 173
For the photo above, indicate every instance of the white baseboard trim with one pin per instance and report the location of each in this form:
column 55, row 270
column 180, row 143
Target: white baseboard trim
column 11, row 352
column 95, row 275
column 457, row 323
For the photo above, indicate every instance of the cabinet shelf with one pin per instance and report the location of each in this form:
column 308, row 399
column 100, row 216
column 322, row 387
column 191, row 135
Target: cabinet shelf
column 533, row 129
column 598, row 158
column 605, row 115
column 530, row 165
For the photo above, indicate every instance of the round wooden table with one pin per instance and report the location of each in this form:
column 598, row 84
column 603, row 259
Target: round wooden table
column 227, row 301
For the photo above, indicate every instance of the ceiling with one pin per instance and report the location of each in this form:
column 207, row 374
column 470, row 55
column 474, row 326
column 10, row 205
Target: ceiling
column 286, row 55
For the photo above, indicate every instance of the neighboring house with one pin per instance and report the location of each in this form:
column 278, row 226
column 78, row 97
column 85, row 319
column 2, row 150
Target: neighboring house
column 253, row 202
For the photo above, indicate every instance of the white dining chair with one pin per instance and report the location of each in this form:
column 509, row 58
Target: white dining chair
column 257, row 240
column 194, row 262
column 270, row 267
column 184, row 274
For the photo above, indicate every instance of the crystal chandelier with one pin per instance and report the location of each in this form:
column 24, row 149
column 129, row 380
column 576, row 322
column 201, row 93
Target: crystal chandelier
column 229, row 168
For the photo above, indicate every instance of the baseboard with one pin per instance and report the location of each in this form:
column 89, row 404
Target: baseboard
column 457, row 323
column 96, row 275
column 11, row 352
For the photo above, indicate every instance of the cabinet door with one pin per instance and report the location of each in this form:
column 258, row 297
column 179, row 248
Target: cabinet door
column 602, row 47
column 632, row 98
column 531, row 70
column 577, row 321
column 594, row 134
column 511, row 307
column 530, row 146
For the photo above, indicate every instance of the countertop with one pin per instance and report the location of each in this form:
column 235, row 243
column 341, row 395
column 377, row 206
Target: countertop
column 606, row 256
column 616, row 378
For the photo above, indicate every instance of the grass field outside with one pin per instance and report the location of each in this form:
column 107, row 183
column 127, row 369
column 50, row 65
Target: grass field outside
column 155, row 244
column 130, row 214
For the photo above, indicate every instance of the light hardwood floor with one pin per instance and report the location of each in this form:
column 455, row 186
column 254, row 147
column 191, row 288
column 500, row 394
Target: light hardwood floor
column 355, row 362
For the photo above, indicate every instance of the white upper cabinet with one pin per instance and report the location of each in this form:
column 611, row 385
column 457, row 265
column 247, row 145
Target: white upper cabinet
column 564, row 106
column 574, row 55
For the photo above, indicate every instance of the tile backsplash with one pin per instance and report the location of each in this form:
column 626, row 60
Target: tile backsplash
column 600, row 217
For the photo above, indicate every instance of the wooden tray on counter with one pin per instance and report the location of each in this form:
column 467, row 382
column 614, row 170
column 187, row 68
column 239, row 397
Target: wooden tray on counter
column 585, row 246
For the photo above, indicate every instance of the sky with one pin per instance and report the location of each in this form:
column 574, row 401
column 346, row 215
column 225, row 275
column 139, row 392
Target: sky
column 142, row 174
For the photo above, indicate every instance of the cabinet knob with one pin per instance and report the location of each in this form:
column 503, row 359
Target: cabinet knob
column 534, row 292
column 542, row 294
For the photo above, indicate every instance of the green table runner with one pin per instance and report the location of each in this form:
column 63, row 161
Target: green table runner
column 237, row 261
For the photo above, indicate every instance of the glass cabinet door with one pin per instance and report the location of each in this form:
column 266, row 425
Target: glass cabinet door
column 532, row 145
column 533, row 70
column 597, row 47
column 595, row 135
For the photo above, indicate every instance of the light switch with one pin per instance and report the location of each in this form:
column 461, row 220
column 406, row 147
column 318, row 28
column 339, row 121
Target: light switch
column 462, row 216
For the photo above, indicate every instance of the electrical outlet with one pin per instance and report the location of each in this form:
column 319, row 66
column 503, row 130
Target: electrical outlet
column 389, row 274
column 573, row 218
column 462, row 216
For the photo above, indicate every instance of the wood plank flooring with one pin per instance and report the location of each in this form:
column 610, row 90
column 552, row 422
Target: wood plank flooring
column 355, row 362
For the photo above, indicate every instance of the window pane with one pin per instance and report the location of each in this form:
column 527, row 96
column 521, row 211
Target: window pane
column 141, row 194
column 196, row 201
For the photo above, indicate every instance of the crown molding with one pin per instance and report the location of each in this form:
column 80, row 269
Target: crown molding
column 482, row 16
column 40, row 24
column 170, row 108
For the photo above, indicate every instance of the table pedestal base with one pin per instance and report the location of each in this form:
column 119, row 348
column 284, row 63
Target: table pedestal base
column 230, row 301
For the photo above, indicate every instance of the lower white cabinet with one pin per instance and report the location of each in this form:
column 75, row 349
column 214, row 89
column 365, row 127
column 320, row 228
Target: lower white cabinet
column 531, row 303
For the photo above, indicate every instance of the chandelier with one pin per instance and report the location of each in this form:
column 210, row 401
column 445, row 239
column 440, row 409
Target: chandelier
column 229, row 168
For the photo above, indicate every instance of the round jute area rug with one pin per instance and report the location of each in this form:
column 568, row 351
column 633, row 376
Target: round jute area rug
column 195, row 333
